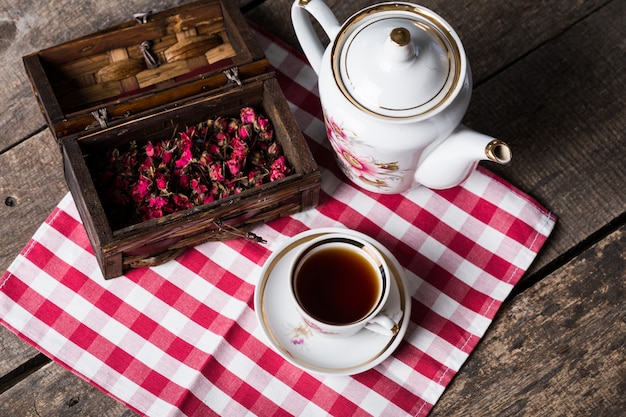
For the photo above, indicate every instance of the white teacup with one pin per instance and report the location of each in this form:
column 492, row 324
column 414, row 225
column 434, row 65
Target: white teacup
column 340, row 284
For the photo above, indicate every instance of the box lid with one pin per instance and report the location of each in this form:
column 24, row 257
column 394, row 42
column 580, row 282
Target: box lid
column 154, row 60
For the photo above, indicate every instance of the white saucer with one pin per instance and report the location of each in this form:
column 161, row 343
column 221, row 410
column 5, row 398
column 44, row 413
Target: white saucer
column 287, row 333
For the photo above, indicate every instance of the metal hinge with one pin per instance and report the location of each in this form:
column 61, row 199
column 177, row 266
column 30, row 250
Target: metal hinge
column 233, row 75
column 101, row 116
column 151, row 59
column 142, row 18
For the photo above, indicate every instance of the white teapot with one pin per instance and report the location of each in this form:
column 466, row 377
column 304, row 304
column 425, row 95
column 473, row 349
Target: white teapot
column 394, row 84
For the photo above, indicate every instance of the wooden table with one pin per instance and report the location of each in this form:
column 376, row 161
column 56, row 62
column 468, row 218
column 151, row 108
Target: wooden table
column 549, row 78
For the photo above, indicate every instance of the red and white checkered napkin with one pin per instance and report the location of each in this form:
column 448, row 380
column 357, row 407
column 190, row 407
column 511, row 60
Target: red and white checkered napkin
column 183, row 339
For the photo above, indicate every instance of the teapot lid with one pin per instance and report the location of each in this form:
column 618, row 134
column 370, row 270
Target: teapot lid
column 398, row 60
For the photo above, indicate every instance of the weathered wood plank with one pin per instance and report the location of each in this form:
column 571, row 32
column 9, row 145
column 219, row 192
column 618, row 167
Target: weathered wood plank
column 32, row 185
column 494, row 34
column 53, row 391
column 562, row 111
column 557, row 349
column 14, row 352
column 28, row 26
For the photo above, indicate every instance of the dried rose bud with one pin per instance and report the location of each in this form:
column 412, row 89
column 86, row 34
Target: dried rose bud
column 141, row 189
column 157, row 202
column 150, row 149
column 167, row 156
column 215, row 172
column 214, row 149
column 261, row 123
column 255, row 177
column 239, row 149
column 113, row 156
column 221, row 122
column 221, row 139
column 208, row 198
column 191, row 132
column 274, row 149
column 205, row 159
column 266, row 135
column 183, row 181
column 232, row 126
column 121, row 182
column 129, row 159
column 279, row 169
column 162, row 180
column 154, row 209
column 181, row 201
column 234, row 166
column 198, row 187
column 247, row 115
column 145, row 165
column 185, row 158
column 244, row 132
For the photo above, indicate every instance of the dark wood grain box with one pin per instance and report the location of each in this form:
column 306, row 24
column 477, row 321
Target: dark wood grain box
column 103, row 91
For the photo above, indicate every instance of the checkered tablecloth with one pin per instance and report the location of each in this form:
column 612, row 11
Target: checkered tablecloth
column 183, row 338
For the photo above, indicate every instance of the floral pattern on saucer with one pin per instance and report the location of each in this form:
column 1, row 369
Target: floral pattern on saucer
column 300, row 333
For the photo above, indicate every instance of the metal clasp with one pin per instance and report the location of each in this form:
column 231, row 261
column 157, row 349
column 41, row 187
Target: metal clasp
column 222, row 227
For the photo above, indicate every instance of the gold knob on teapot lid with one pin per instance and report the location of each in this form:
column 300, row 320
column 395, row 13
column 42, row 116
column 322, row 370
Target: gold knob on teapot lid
column 400, row 36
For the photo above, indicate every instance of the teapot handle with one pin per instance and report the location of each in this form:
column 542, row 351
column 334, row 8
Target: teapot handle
column 310, row 42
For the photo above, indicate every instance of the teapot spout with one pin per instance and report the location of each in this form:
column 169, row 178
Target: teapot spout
column 450, row 162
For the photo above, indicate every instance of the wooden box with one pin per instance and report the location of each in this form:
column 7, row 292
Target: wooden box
column 104, row 90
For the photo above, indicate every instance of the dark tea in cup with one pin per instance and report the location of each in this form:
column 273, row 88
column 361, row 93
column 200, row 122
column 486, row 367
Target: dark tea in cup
column 340, row 284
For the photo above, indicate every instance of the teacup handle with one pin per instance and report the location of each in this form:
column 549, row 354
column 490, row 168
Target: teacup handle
column 383, row 325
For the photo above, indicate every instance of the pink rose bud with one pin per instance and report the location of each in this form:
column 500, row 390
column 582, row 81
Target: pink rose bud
column 221, row 138
column 233, row 166
column 247, row 115
column 243, row 132
column 261, row 123
column 221, row 123
column 150, row 151
column 232, row 126
column 274, row 149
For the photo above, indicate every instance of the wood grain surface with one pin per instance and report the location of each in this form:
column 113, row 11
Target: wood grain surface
column 557, row 349
column 561, row 109
column 52, row 391
column 549, row 79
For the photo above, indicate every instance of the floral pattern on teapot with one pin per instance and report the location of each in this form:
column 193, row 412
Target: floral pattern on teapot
column 356, row 162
